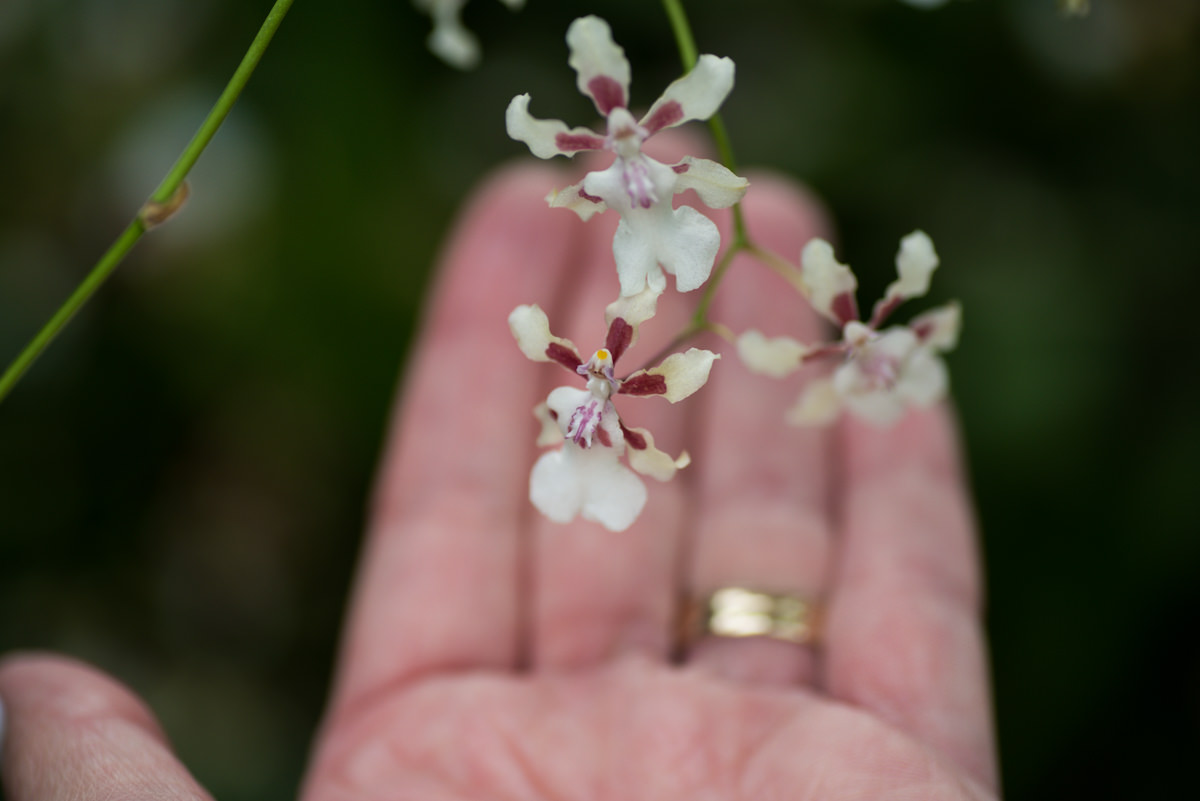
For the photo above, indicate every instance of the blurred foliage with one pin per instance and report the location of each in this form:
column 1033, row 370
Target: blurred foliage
column 182, row 476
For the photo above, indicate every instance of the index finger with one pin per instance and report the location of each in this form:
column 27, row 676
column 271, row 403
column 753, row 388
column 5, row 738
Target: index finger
column 438, row 581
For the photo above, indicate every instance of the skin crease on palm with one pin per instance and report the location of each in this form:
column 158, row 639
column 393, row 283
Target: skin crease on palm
column 490, row 654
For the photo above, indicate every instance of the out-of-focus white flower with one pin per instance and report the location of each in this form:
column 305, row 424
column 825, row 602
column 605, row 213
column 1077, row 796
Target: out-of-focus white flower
column 882, row 372
column 652, row 236
column 449, row 40
column 585, row 476
column 926, row 3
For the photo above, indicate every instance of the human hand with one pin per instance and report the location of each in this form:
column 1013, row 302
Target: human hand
column 490, row 654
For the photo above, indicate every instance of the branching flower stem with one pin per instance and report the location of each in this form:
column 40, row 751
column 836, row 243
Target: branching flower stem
column 164, row 202
column 741, row 241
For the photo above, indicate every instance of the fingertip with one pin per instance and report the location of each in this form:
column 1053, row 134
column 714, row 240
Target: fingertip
column 66, row 688
column 508, row 203
column 924, row 439
column 69, row 731
column 784, row 214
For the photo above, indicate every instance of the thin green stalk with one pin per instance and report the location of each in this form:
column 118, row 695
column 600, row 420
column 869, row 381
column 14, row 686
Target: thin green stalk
column 782, row 267
column 683, row 33
column 700, row 315
column 165, row 201
column 690, row 55
column 741, row 241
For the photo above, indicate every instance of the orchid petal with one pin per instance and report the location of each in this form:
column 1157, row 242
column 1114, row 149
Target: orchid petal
column 614, row 496
column 889, row 373
column 626, row 184
column 897, row 343
column 830, row 283
column 531, row 328
column 550, row 433
column 925, row 380
column 689, row 248
column 915, row 263
column 599, row 63
column 695, row 96
column 562, row 401
column 649, row 460
column 683, row 241
column 555, row 487
column 939, row 328
column 922, row 382
column 637, row 261
column 625, row 316
column 818, row 405
column 776, row 357
column 547, row 138
column 878, row 407
column 716, row 185
column 586, row 481
column 574, row 197
column 452, row 42
column 677, row 377
column 592, row 483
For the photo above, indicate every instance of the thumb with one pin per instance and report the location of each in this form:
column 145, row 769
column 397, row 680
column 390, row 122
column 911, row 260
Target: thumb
column 69, row 731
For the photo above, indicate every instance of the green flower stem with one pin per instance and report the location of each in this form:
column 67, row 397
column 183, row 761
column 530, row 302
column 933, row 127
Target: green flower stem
column 165, row 201
column 781, row 266
column 683, row 33
column 741, row 240
column 700, row 315
column 700, row 322
column 690, row 55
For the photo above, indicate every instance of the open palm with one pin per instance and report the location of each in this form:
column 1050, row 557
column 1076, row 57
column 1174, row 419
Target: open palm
column 492, row 655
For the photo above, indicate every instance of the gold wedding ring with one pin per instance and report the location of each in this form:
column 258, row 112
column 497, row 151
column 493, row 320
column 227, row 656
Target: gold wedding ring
column 740, row 612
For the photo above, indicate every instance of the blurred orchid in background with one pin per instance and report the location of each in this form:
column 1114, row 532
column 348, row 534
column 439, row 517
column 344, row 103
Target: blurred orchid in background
column 450, row 40
column 883, row 372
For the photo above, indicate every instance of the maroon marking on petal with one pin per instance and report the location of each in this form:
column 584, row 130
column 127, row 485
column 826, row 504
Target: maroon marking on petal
column 830, row 349
column 563, row 355
column 668, row 113
column 845, row 308
column 633, row 439
column 681, row 167
column 604, row 438
column 883, row 308
column 607, row 92
column 923, row 329
column 569, row 143
column 592, row 198
column 620, row 335
column 644, row 384
column 553, row 414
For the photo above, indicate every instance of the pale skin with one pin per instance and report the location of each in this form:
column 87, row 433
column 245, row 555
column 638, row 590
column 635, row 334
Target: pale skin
column 490, row 654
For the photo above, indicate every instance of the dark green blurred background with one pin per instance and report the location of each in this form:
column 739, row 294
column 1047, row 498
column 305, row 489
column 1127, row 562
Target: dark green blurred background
column 182, row 476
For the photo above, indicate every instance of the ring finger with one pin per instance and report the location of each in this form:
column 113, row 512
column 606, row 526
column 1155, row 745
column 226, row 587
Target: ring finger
column 763, row 520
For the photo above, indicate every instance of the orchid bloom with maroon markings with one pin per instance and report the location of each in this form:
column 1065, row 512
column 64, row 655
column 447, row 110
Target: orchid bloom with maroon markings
column 652, row 236
column 585, row 476
column 883, row 372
